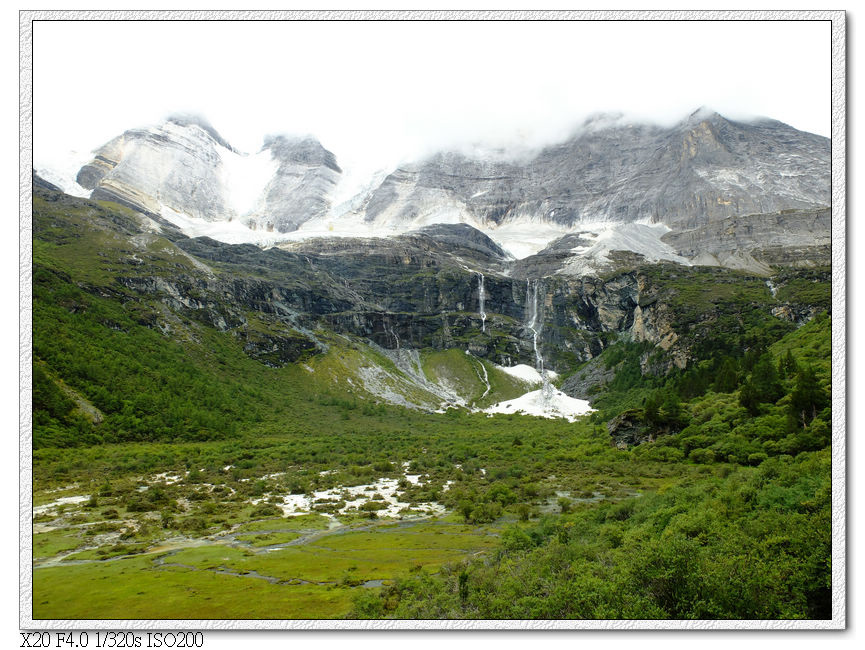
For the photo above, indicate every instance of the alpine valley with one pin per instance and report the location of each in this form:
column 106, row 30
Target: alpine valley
column 587, row 381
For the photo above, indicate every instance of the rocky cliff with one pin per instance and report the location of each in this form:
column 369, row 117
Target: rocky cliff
column 447, row 287
column 756, row 241
column 702, row 170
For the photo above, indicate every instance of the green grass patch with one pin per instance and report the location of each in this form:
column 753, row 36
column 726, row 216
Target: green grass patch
column 46, row 545
column 267, row 539
column 299, row 522
column 133, row 588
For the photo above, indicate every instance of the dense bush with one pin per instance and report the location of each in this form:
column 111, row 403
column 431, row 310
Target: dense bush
column 755, row 544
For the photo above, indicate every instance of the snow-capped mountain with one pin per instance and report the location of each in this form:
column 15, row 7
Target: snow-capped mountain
column 708, row 190
column 177, row 165
column 183, row 169
column 701, row 170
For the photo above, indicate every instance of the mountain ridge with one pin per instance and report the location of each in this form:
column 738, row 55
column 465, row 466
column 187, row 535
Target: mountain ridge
column 607, row 179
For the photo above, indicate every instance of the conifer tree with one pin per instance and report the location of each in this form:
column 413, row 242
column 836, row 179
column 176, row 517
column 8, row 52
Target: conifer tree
column 787, row 366
column 808, row 397
column 727, row 378
column 765, row 379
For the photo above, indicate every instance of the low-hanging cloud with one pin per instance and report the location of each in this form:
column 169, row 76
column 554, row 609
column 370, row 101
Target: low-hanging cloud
column 377, row 93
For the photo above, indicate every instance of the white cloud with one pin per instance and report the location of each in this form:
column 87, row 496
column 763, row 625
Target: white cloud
column 375, row 92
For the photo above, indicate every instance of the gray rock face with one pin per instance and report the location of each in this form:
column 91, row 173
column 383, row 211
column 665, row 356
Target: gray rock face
column 589, row 380
column 709, row 168
column 182, row 119
column 38, row 181
column 705, row 169
column 804, row 230
column 177, row 164
column 301, row 187
column 487, row 190
column 461, row 235
column 627, row 430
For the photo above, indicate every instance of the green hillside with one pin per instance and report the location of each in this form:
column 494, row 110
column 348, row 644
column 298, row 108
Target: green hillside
column 202, row 448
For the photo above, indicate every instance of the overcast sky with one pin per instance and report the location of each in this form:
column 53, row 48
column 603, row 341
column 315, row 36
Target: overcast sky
column 376, row 92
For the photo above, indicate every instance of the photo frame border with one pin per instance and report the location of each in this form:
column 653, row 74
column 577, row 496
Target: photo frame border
column 839, row 324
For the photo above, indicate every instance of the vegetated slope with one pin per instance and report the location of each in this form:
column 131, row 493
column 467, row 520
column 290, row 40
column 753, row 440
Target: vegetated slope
column 168, row 335
column 136, row 339
column 754, row 544
column 750, row 538
column 104, row 341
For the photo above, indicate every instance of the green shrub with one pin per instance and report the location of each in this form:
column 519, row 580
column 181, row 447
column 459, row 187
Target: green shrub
column 265, row 510
column 702, row 456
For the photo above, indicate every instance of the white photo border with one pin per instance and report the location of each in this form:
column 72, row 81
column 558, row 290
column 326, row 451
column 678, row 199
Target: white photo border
column 839, row 349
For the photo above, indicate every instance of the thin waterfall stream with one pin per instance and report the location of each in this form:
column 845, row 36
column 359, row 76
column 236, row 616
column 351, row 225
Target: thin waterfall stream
column 535, row 325
column 482, row 298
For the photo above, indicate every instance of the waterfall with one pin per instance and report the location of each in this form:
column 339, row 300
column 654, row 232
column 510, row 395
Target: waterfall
column 535, row 325
column 482, row 298
column 532, row 324
column 485, row 378
column 388, row 329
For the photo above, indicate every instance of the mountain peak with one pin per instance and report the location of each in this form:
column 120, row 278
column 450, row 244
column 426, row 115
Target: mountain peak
column 305, row 150
column 190, row 119
column 600, row 121
column 704, row 114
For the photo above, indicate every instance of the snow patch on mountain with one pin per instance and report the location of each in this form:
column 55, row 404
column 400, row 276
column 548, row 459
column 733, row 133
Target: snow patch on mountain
column 246, row 176
column 228, row 232
column 354, row 189
column 527, row 373
column 347, row 225
column 524, row 237
column 642, row 238
column 61, row 170
column 556, row 405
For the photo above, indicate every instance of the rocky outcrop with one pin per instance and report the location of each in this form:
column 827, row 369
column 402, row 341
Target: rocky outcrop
column 725, row 242
column 460, row 237
column 627, row 430
column 654, row 323
column 278, row 348
column 589, row 380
